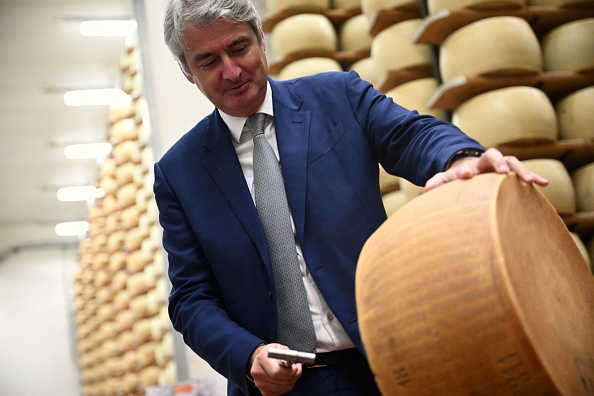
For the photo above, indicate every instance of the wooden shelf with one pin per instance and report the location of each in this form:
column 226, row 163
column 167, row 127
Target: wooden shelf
column 345, row 58
column 573, row 153
column 336, row 16
column 555, row 85
column 397, row 77
column 438, row 26
column 388, row 17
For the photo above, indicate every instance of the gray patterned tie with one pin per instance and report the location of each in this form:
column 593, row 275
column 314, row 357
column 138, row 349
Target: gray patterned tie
column 294, row 326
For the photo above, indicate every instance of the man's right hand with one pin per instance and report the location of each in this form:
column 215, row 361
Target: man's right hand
column 269, row 376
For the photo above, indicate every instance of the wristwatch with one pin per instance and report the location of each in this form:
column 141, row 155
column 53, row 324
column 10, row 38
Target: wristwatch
column 462, row 154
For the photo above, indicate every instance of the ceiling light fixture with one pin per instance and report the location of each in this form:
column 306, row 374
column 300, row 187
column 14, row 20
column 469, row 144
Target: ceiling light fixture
column 87, row 150
column 79, row 193
column 95, row 97
column 72, row 228
column 108, row 28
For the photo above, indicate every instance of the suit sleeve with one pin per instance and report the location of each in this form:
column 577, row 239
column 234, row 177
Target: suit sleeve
column 195, row 305
column 406, row 143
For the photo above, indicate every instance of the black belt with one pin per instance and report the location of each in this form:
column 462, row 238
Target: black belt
column 337, row 358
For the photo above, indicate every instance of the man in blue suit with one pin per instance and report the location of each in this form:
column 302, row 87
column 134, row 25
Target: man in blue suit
column 330, row 132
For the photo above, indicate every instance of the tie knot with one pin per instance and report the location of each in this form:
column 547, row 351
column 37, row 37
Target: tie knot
column 255, row 123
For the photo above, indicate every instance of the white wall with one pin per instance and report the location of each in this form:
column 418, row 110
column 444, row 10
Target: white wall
column 36, row 344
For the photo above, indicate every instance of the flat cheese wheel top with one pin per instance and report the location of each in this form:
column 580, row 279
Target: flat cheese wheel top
column 275, row 6
column 507, row 115
column 354, row 34
column 560, row 191
column 304, row 33
column 438, row 5
column 471, row 283
column 393, row 48
column 576, row 115
column 569, row 47
column 415, row 95
column 583, row 181
column 307, row 67
column 490, row 46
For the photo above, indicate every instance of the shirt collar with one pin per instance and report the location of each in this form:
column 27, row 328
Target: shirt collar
column 236, row 124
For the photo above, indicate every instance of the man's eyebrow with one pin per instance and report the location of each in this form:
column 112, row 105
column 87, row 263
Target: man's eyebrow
column 237, row 41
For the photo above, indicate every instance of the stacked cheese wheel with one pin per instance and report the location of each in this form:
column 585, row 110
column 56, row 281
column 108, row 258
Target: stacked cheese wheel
column 122, row 323
column 306, row 41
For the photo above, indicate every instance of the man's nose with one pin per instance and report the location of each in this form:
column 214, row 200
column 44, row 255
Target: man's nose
column 231, row 70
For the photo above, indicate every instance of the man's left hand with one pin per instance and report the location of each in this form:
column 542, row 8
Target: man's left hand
column 491, row 160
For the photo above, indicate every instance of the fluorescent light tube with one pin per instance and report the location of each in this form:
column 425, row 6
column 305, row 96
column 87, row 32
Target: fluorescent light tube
column 106, row 28
column 79, row 193
column 87, row 150
column 94, row 97
column 72, row 228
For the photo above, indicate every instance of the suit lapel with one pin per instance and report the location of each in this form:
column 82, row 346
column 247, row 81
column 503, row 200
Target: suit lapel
column 220, row 161
column 292, row 135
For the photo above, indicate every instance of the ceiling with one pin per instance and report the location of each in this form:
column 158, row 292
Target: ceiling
column 42, row 55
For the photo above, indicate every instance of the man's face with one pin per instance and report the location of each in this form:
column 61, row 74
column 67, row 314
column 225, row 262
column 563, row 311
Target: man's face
column 228, row 66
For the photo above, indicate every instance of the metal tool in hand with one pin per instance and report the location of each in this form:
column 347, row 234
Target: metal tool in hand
column 289, row 357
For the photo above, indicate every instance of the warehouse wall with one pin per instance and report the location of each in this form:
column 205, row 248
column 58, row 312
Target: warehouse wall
column 36, row 334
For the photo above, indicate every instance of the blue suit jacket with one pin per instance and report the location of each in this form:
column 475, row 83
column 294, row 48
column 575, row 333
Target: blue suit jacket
column 332, row 131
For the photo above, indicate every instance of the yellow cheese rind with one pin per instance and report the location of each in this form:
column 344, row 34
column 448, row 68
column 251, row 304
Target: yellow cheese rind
column 583, row 181
column 560, row 192
column 307, row 67
column 304, row 33
column 508, row 115
column 393, row 48
column 575, row 113
column 570, row 47
column 497, row 45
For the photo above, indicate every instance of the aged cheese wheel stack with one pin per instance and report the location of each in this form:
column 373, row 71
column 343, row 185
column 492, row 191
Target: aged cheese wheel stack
column 477, row 287
column 121, row 292
column 311, row 37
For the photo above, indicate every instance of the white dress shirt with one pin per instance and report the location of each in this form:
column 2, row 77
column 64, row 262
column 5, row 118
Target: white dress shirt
column 330, row 334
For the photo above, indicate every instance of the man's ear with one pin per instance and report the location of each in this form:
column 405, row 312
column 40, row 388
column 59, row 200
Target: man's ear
column 189, row 77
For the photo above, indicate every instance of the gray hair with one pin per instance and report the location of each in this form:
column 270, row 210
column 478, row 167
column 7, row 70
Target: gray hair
column 181, row 14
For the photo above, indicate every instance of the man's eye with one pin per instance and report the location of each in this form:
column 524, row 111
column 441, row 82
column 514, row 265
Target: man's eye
column 240, row 50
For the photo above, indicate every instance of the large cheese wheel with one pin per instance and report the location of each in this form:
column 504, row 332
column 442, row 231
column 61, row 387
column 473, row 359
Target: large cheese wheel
column 371, row 7
column 476, row 288
column 415, row 95
column 504, row 44
column 366, row 69
column 276, row 6
column 308, row 67
column 435, row 6
column 583, row 182
column 582, row 248
column 508, row 115
column 560, row 192
column 575, row 115
column 304, row 33
column 569, row 47
column 354, row 34
column 394, row 49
